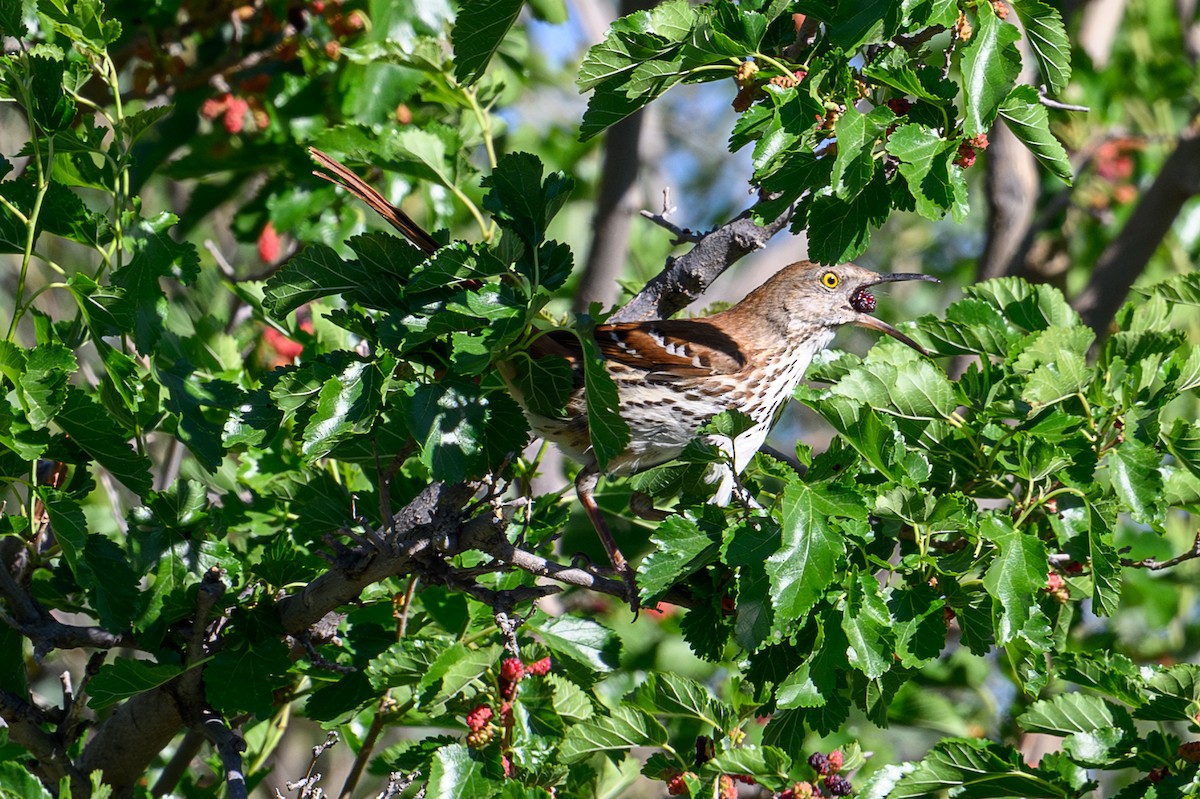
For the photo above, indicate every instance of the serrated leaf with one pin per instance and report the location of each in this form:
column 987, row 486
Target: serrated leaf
column 856, row 136
column 243, row 679
column 1028, row 120
column 1047, row 35
column 92, row 428
column 455, row 772
column 43, row 383
column 925, row 164
column 318, row 271
column 628, row 727
column 666, row 694
column 768, row 765
column 974, row 769
column 867, row 625
column 1072, row 712
column 990, row 65
column 681, row 548
column 803, row 567
column 840, row 230
column 346, row 404
column 544, row 384
column 1133, row 469
column 478, row 30
column 521, row 200
column 1014, row 578
column 570, row 702
column 124, row 677
column 18, row 782
column 447, row 420
column 582, row 640
column 607, row 430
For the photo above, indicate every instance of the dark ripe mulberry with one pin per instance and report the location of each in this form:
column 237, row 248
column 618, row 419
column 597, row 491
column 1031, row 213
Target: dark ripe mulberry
column 862, row 301
column 838, row 785
column 819, row 762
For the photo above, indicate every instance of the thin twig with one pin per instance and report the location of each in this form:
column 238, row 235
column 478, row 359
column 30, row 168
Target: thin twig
column 1155, row 565
column 1056, row 105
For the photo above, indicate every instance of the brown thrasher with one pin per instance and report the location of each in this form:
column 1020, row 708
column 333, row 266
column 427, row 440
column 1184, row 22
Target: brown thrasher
column 673, row 375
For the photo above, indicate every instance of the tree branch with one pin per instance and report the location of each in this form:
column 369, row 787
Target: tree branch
column 1127, row 256
column 689, row 275
column 51, row 764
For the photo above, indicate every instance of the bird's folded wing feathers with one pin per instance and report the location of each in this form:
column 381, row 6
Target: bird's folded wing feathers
column 676, row 347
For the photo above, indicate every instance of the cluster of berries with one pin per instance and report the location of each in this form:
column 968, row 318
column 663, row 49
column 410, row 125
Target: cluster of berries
column 512, row 671
column 968, row 149
column 750, row 87
column 828, row 783
column 480, row 730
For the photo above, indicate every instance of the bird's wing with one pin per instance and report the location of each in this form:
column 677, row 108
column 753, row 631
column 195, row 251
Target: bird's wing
column 671, row 347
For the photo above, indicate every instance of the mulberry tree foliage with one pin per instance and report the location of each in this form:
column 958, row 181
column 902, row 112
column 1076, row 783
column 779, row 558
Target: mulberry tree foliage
column 258, row 465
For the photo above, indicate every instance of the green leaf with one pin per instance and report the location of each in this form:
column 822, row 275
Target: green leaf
column 1174, row 694
column 243, row 678
column 681, row 548
column 584, row 641
column 1109, row 673
column 897, row 380
column 1072, row 712
column 544, row 384
column 53, row 109
column 521, row 201
column 666, row 694
column 18, row 782
column 919, row 621
column 769, row 765
column 137, row 123
column 840, row 230
column 925, row 164
column 640, row 37
column 868, row 626
column 318, row 272
column 123, row 677
column 455, row 667
column 975, row 769
column 628, row 727
column 1015, row 577
column 1133, row 469
column 895, row 68
column 347, row 403
column 1183, row 441
column 12, row 19
column 803, row 567
column 1047, row 36
column 478, row 30
column 456, row 773
column 92, row 428
column 1027, row 118
column 607, row 430
column 991, row 63
column 143, row 305
column 447, row 420
column 856, row 137
column 43, row 385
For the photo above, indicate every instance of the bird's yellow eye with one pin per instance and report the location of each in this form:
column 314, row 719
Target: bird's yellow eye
column 831, row 280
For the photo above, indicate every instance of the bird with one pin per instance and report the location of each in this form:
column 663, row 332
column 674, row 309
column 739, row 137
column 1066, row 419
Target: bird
column 674, row 375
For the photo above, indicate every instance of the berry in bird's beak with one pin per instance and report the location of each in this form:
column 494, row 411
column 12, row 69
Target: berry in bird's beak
column 862, row 301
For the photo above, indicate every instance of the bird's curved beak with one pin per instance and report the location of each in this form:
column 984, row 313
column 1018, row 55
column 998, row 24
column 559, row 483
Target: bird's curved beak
column 865, row 319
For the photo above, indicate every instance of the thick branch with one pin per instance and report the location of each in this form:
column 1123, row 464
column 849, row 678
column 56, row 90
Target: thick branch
column 1129, row 253
column 689, row 275
column 51, row 763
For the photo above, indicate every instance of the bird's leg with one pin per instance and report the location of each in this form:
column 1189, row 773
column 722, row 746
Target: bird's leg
column 642, row 506
column 585, row 489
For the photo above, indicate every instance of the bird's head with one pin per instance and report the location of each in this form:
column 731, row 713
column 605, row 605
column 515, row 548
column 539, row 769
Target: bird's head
column 804, row 294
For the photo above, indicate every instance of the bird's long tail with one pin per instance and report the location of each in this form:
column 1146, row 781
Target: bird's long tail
column 342, row 176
